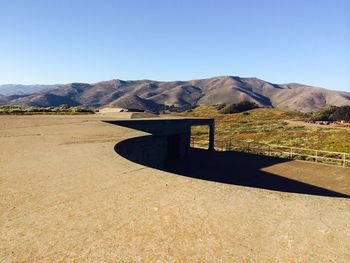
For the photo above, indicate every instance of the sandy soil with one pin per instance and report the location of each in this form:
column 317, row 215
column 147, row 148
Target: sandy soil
column 66, row 196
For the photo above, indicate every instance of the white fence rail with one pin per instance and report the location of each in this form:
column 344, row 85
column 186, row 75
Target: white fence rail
column 328, row 157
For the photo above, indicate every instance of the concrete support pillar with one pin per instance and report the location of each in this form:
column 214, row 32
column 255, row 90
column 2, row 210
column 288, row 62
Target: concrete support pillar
column 188, row 141
column 211, row 137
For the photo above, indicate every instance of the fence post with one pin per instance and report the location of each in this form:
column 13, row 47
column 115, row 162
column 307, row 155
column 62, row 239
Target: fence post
column 316, row 156
column 291, row 152
column 344, row 159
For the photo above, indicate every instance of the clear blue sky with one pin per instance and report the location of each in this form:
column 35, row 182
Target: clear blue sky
column 61, row 41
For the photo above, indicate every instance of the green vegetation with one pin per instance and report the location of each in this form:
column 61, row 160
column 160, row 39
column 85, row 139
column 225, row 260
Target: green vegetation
column 272, row 126
column 220, row 106
column 62, row 109
column 237, row 107
column 332, row 113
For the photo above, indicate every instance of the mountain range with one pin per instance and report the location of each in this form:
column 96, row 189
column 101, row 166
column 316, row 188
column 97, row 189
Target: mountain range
column 155, row 96
column 17, row 89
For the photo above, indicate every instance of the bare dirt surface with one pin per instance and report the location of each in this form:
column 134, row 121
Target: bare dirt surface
column 314, row 125
column 66, row 196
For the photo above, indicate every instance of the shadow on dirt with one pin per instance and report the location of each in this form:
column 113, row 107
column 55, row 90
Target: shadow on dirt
column 225, row 167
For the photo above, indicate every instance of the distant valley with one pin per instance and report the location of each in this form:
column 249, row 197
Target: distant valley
column 155, row 96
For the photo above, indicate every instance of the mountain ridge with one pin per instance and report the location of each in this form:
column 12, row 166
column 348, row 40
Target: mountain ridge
column 153, row 96
column 20, row 89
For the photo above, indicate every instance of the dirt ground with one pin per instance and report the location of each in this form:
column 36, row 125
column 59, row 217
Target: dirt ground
column 67, row 196
column 314, row 125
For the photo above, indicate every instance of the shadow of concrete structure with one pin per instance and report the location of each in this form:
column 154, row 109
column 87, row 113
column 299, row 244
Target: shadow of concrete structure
column 170, row 151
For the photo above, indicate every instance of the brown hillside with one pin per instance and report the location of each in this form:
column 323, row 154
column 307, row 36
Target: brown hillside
column 151, row 95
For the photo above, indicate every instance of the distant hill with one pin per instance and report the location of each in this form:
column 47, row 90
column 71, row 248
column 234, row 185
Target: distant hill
column 153, row 96
column 18, row 89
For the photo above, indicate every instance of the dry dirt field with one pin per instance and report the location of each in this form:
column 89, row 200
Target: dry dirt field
column 66, row 196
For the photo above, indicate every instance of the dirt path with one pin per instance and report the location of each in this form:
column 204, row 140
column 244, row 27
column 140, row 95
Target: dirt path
column 313, row 125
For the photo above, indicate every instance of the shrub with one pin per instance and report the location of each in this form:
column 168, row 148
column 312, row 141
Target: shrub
column 239, row 107
column 332, row 113
column 62, row 109
column 220, row 106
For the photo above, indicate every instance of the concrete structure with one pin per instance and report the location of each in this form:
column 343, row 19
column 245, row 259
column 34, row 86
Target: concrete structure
column 125, row 114
column 172, row 136
column 110, row 110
